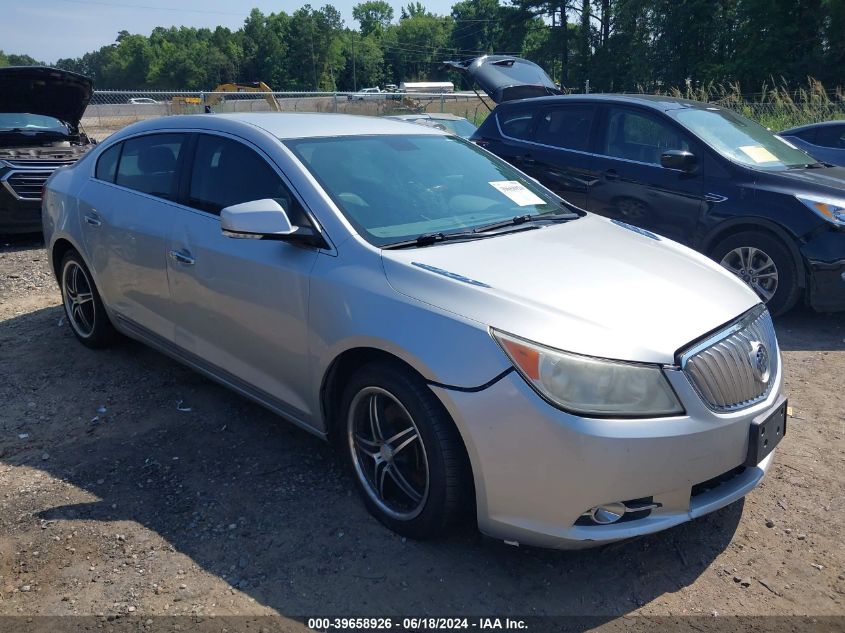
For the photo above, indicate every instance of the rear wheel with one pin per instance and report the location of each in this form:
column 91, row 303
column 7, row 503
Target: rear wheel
column 83, row 307
column 404, row 451
column 764, row 263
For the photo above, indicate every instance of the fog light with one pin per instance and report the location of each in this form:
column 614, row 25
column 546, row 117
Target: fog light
column 608, row 513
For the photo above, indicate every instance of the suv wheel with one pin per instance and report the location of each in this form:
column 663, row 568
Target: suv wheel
column 83, row 306
column 404, row 451
column 765, row 264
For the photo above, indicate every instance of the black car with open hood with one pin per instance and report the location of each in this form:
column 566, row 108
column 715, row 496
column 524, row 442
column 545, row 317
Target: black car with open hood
column 505, row 78
column 40, row 113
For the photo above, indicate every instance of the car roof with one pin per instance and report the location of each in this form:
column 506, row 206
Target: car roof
column 813, row 126
column 286, row 125
column 656, row 102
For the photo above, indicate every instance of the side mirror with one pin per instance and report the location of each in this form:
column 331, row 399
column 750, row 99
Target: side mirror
column 678, row 159
column 256, row 219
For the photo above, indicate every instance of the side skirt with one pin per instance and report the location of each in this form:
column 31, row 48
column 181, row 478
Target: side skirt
column 280, row 408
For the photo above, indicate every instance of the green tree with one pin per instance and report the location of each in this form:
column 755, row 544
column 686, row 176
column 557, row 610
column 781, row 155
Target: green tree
column 373, row 16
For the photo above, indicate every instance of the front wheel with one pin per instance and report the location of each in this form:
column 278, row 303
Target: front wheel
column 765, row 264
column 405, row 452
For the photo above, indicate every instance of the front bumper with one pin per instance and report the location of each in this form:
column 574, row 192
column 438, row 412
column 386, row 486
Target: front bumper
column 825, row 256
column 19, row 216
column 537, row 469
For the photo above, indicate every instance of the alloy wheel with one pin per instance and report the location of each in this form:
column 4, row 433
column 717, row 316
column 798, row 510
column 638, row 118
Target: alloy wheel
column 755, row 268
column 78, row 299
column 388, row 453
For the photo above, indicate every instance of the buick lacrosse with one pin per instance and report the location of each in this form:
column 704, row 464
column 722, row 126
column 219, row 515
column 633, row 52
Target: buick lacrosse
column 472, row 343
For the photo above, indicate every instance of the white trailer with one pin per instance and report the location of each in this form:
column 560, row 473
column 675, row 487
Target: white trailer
column 427, row 87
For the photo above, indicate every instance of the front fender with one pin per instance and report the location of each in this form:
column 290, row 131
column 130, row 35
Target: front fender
column 353, row 306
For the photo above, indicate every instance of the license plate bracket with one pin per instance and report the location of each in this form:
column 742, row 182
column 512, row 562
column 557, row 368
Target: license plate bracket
column 765, row 434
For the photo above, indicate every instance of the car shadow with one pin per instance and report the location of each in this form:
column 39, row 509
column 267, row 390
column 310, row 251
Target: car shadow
column 269, row 508
column 21, row 241
column 803, row 329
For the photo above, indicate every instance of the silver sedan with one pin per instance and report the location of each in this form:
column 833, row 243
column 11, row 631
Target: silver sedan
column 473, row 344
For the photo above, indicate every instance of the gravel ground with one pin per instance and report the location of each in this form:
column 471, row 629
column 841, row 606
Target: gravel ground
column 132, row 487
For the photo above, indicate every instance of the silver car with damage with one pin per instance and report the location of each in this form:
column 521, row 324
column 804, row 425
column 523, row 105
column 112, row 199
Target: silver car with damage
column 471, row 342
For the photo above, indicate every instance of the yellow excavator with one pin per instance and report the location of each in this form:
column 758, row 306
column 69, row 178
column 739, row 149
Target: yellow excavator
column 207, row 101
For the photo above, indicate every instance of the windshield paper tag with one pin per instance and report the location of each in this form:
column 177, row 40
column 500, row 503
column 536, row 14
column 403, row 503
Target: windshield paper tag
column 758, row 154
column 517, row 192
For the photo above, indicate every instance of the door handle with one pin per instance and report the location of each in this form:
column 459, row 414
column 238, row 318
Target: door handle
column 611, row 174
column 92, row 219
column 527, row 160
column 182, row 256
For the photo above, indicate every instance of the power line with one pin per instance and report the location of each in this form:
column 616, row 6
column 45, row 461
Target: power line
column 150, row 7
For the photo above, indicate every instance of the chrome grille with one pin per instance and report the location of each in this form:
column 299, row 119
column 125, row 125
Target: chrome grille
column 737, row 366
column 26, row 185
column 43, row 163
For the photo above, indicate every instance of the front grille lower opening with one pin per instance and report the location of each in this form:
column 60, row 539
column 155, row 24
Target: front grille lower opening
column 715, row 482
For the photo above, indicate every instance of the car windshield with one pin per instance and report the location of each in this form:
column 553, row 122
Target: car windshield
column 740, row 139
column 394, row 188
column 29, row 122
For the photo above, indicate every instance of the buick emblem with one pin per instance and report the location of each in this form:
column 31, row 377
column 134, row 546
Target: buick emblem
column 760, row 363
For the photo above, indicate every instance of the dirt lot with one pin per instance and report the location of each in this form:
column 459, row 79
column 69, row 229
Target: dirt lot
column 132, row 486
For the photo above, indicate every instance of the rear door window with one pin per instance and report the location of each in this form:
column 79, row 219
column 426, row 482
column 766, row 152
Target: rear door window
column 107, row 163
column 638, row 136
column 226, row 172
column 149, row 164
column 566, row 126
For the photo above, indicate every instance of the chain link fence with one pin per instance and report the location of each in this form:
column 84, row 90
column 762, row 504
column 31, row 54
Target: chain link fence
column 111, row 110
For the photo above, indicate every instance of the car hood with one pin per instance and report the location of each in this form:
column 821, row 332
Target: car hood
column 505, row 78
column 49, row 91
column 589, row 286
column 828, row 180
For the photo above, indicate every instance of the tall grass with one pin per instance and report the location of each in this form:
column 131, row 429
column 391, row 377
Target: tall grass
column 776, row 106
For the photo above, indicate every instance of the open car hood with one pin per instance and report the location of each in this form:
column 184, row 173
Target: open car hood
column 60, row 94
column 505, row 78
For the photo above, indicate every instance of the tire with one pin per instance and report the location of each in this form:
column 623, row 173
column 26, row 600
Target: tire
column 768, row 256
column 82, row 303
column 425, row 456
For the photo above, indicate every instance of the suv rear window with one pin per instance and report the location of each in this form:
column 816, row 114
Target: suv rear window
column 148, row 164
column 516, row 124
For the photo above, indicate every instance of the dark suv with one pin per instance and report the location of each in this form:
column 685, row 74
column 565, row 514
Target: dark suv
column 694, row 172
column 40, row 111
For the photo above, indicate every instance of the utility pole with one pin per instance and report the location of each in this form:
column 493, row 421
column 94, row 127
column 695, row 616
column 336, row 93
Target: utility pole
column 354, row 78
column 313, row 64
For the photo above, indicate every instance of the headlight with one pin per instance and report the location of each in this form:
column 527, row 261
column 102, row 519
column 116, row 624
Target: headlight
column 591, row 386
column 830, row 209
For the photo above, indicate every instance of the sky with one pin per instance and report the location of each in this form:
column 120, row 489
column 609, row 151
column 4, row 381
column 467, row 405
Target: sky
column 52, row 29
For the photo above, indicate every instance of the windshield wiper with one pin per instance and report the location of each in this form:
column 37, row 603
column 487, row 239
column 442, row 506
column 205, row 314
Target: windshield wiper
column 816, row 165
column 522, row 219
column 483, row 231
column 427, row 239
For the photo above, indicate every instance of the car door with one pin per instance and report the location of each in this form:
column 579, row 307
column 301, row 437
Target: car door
column 559, row 153
column 127, row 209
column 631, row 185
column 240, row 305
